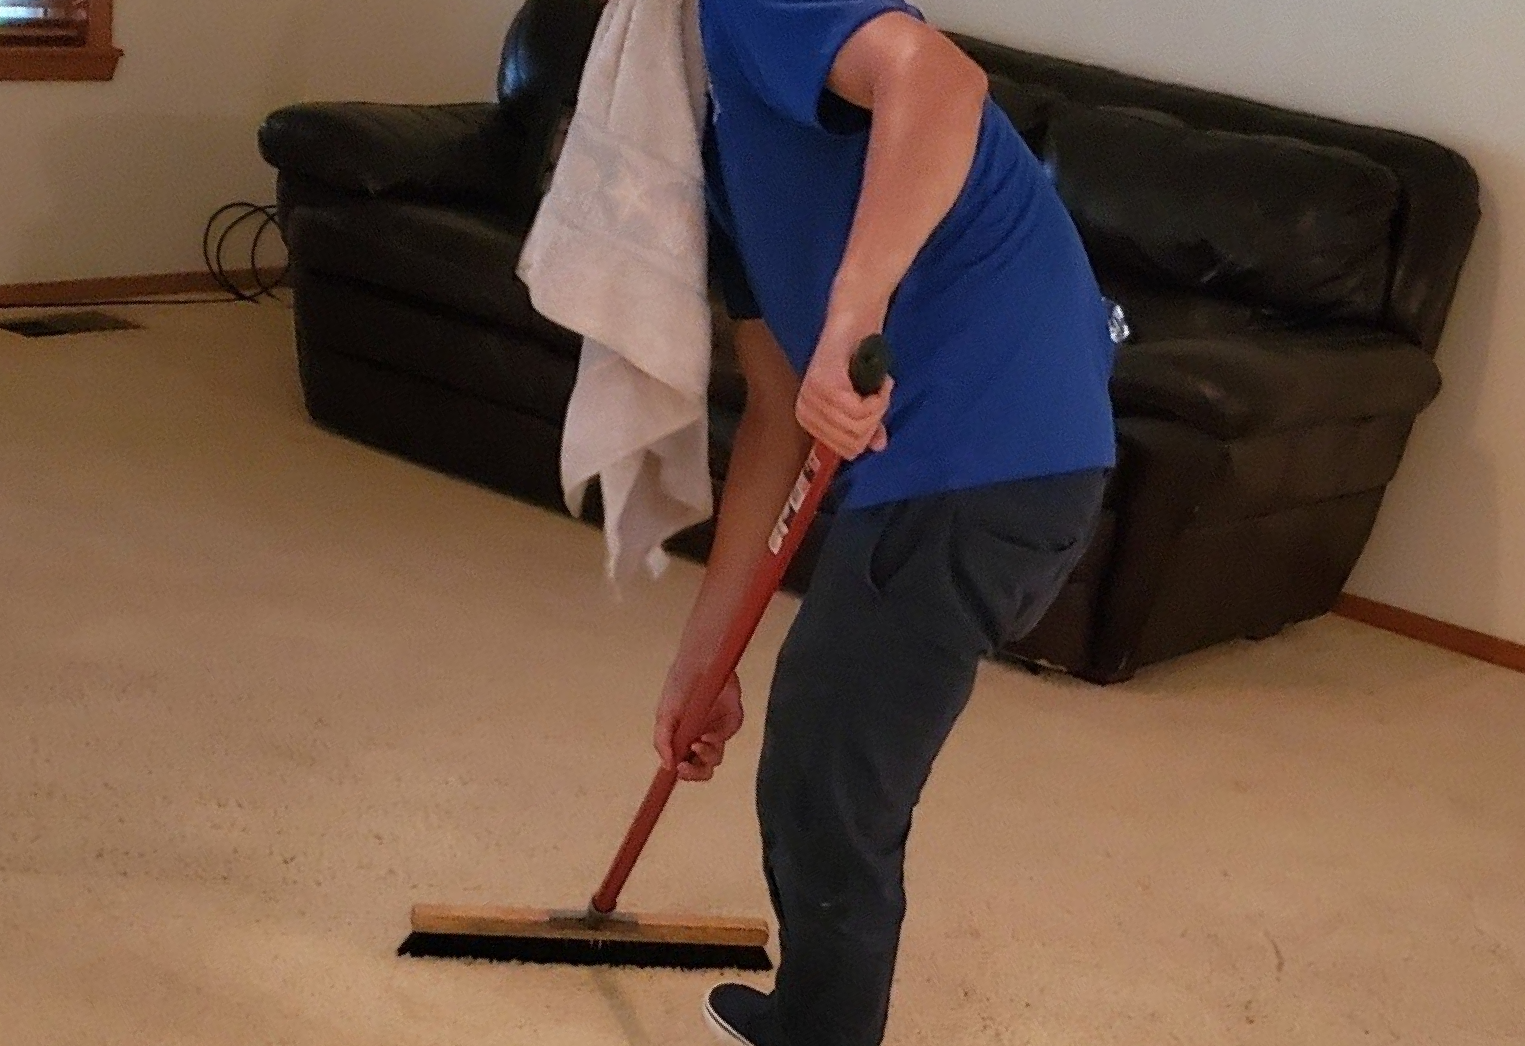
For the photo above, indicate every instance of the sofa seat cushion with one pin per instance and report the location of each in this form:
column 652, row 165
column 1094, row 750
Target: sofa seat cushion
column 1159, row 314
column 1258, row 218
column 1252, row 384
column 452, row 259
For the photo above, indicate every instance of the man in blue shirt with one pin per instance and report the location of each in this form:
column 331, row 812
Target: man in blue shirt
column 862, row 181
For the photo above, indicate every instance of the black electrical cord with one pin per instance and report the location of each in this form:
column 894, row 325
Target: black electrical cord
column 214, row 246
column 214, row 260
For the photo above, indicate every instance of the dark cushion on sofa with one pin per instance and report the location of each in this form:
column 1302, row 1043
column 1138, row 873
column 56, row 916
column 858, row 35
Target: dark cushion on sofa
column 1264, row 219
column 1157, row 314
column 1027, row 105
column 460, row 259
column 1439, row 209
column 1231, row 387
column 455, row 154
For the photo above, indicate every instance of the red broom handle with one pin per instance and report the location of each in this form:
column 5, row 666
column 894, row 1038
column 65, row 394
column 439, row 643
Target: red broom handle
column 793, row 523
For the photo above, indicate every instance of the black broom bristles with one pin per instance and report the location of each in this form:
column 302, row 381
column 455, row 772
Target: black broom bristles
column 572, row 951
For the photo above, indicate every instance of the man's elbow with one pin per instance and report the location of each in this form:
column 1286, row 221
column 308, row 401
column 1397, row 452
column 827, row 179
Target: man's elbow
column 967, row 80
column 936, row 68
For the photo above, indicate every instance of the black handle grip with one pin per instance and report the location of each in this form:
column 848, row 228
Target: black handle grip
column 870, row 365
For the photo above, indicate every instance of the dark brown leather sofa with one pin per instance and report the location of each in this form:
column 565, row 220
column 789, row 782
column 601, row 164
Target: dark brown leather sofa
column 1286, row 276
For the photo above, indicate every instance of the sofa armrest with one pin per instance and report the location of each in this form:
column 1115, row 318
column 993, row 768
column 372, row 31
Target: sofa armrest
column 1249, row 384
column 467, row 153
column 1164, row 470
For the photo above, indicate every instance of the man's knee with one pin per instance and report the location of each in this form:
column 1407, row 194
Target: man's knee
column 838, row 821
column 848, row 887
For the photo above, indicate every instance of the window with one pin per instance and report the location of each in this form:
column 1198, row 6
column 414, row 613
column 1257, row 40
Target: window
column 56, row 40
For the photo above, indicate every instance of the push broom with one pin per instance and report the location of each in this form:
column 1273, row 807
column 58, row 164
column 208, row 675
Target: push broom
column 601, row 936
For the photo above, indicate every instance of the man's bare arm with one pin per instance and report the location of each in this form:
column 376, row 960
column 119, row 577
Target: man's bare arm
column 770, row 447
column 927, row 98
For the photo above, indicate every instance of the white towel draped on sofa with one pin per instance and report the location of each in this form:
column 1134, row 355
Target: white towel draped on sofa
column 617, row 254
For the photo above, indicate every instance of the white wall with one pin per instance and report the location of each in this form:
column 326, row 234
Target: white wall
column 117, row 179
column 1450, row 541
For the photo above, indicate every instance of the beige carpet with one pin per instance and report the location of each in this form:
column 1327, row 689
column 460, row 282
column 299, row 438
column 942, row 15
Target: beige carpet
column 261, row 689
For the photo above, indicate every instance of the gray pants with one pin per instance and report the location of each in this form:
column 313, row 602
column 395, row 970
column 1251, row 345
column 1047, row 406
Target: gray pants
column 880, row 662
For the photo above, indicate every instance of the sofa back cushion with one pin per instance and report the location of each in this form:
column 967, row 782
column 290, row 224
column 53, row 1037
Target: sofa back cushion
column 544, row 53
column 1027, row 105
column 1274, row 221
column 1440, row 200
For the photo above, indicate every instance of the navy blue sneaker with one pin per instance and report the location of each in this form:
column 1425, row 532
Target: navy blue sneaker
column 739, row 1016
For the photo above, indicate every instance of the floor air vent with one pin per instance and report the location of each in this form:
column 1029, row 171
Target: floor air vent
column 60, row 323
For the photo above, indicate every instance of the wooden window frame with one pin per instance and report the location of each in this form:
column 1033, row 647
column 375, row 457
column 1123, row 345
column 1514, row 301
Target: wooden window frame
column 95, row 59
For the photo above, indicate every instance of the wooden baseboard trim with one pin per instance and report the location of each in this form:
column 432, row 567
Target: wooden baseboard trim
column 81, row 292
column 1480, row 645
